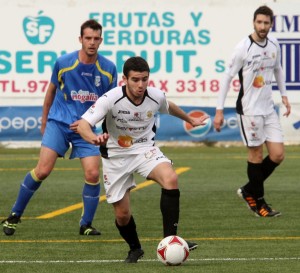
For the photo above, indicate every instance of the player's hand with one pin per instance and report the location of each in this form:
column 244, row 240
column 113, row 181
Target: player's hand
column 100, row 139
column 43, row 127
column 74, row 126
column 198, row 121
column 218, row 120
column 287, row 105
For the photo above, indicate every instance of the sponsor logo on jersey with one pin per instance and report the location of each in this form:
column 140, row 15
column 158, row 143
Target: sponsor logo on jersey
column 86, row 74
column 258, row 82
column 121, row 120
column 141, row 140
column 137, row 116
column 125, row 112
column 125, row 141
column 83, row 96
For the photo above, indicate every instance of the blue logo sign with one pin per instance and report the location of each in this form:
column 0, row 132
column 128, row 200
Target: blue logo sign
column 290, row 57
column 38, row 30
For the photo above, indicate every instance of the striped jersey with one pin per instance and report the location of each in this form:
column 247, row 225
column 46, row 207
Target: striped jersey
column 255, row 64
column 130, row 126
column 79, row 85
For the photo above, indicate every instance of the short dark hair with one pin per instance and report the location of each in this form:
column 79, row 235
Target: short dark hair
column 135, row 64
column 265, row 10
column 93, row 24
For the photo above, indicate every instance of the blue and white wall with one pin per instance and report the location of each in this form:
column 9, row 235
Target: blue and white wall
column 186, row 42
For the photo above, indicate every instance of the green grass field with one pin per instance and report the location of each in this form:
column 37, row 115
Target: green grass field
column 231, row 239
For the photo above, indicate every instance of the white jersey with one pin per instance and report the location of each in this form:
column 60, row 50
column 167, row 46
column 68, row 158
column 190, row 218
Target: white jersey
column 255, row 64
column 130, row 127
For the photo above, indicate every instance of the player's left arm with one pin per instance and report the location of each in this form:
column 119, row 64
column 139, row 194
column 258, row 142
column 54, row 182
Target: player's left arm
column 278, row 73
column 176, row 111
column 280, row 79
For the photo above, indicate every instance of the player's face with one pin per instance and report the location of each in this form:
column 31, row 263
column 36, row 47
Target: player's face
column 90, row 40
column 136, row 83
column 262, row 25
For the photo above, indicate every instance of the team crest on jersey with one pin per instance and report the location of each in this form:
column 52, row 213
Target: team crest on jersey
column 97, row 81
column 149, row 114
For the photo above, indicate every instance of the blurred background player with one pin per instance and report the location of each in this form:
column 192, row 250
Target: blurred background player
column 256, row 59
column 78, row 79
column 129, row 129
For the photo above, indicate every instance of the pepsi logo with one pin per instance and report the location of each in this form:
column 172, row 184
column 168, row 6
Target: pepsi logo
column 198, row 131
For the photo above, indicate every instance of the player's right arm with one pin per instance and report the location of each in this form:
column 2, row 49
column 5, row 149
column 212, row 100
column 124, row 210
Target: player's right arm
column 49, row 98
column 86, row 132
column 235, row 64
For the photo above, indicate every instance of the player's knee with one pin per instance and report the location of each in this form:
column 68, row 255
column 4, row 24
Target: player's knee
column 170, row 181
column 92, row 176
column 123, row 217
column 42, row 173
column 277, row 158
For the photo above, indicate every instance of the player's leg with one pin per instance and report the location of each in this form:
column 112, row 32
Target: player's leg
column 54, row 144
column 90, row 194
column 275, row 147
column 156, row 166
column 118, row 180
column 127, row 228
column 274, row 144
column 29, row 186
column 251, row 129
column 165, row 175
column 274, row 158
column 255, row 172
column 255, row 131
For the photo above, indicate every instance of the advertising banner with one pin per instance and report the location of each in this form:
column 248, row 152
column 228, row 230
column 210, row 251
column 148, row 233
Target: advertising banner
column 24, row 123
column 186, row 47
column 20, row 123
column 187, row 44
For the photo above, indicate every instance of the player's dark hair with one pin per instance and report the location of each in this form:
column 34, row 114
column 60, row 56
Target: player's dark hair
column 135, row 64
column 93, row 24
column 265, row 10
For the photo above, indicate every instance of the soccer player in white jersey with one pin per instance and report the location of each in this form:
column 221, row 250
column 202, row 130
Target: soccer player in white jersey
column 256, row 59
column 128, row 147
column 77, row 80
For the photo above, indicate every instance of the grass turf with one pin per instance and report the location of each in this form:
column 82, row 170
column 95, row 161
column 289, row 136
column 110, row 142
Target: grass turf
column 230, row 237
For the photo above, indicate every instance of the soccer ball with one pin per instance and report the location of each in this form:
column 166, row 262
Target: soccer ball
column 172, row 250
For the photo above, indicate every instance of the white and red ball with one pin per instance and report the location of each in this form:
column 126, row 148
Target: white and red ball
column 172, row 250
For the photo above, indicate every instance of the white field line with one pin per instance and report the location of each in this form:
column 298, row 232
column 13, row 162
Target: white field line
column 154, row 260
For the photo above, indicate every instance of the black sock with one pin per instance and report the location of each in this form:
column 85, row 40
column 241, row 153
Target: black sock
column 169, row 207
column 268, row 167
column 129, row 234
column 256, row 178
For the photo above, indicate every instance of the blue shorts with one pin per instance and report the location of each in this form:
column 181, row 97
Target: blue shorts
column 58, row 137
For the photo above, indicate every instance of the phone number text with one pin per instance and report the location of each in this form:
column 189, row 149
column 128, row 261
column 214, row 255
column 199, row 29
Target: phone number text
column 32, row 86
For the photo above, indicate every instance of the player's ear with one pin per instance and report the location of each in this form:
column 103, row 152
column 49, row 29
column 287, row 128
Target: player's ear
column 124, row 79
